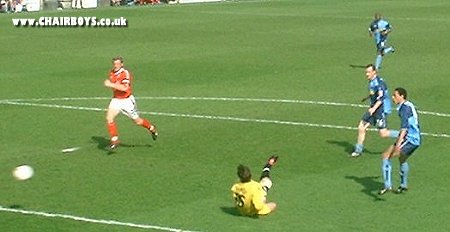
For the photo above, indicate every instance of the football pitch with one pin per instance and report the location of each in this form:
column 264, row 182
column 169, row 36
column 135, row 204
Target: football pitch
column 226, row 83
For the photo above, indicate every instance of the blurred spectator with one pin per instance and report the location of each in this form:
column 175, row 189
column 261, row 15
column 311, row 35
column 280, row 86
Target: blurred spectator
column 116, row 2
column 76, row 4
column 8, row 6
column 18, row 6
column 12, row 6
column 3, row 7
column 152, row 2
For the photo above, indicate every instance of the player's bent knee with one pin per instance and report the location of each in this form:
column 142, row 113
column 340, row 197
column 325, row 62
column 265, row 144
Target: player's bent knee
column 266, row 182
column 138, row 121
column 109, row 119
column 362, row 126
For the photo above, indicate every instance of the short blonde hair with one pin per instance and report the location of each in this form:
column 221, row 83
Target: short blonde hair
column 118, row 58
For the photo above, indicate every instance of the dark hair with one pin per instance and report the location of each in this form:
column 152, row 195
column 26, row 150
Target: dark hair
column 371, row 66
column 118, row 58
column 402, row 92
column 244, row 173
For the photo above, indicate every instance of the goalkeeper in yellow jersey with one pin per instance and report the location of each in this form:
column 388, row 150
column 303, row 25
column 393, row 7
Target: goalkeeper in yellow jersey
column 250, row 195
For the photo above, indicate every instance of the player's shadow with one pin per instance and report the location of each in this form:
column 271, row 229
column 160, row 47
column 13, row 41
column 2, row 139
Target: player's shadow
column 103, row 144
column 357, row 66
column 15, row 206
column 348, row 147
column 369, row 184
column 230, row 210
column 233, row 211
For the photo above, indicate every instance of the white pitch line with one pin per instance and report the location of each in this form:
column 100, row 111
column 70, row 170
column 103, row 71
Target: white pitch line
column 53, row 106
column 97, row 221
column 211, row 117
column 280, row 101
column 267, row 100
column 275, row 122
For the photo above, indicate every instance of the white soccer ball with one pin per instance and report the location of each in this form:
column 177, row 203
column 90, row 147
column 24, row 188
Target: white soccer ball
column 23, row 172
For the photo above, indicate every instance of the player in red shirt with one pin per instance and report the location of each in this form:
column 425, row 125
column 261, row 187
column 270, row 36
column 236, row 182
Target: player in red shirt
column 123, row 102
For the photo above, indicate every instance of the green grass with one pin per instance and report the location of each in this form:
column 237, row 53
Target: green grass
column 287, row 49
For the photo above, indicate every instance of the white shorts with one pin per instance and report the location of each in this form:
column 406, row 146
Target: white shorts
column 126, row 105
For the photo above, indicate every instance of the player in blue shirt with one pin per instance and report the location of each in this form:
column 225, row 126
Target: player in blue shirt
column 380, row 29
column 408, row 141
column 376, row 115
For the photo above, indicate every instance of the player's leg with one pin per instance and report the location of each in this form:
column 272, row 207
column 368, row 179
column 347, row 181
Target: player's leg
column 362, row 128
column 268, row 207
column 379, row 58
column 404, row 171
column 383, row 131
column 406, row 151
column 131, row 111
column 386, row 169
column 148, row 125
column 381, row 124
column 265, row 180
column 389, row 49
column 272, row 206
column 393, row 133
column 111, row 114
column 386, row 133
